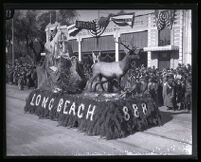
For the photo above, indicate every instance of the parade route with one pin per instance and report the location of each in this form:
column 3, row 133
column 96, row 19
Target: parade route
column 27, row 135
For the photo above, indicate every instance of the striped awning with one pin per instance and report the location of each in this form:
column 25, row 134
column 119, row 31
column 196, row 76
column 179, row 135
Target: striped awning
column 161, row 48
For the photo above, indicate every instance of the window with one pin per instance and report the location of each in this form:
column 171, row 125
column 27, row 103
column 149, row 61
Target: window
column 164, row 37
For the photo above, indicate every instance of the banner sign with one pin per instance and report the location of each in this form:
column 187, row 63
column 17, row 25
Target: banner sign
column 124, row 19
column 107, row 118
column 85, row 25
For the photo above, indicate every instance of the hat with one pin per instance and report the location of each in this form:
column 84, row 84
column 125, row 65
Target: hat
column 142, row 78
column 170, row 75
column 151, row 79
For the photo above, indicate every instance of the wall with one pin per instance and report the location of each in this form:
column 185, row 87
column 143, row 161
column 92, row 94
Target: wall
column 180, row 36
column 177, row 38
column 187, row 51
column 152, row 59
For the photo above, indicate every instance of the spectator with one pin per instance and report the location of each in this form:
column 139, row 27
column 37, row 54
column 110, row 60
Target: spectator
column 153, row 88
column 168, row 93
column 188, row 94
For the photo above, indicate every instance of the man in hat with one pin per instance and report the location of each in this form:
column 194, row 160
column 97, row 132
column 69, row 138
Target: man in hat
column 136, row 87
column 153, row 88
column 143, row 85
column 160, row 90
column 168, row 92
column 188, row 94
column 179, row 92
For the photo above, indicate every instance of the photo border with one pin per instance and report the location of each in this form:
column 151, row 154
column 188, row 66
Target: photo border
column 87, row 6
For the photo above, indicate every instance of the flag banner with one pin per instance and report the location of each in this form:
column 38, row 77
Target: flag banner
column 79, row 25
column 104, row 21
column 95, row 27
column 124, row 19
column 164, row 18
column 108, row 117
column 85, row 25
column 73, row 30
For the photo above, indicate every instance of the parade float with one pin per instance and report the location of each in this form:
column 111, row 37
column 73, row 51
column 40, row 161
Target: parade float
column 66, row 95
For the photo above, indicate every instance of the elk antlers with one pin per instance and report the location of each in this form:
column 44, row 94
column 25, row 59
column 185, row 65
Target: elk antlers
column 126, row 46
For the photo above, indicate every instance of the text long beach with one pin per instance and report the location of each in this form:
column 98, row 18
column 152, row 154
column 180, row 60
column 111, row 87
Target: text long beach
column 68, row 106
column 110, row 118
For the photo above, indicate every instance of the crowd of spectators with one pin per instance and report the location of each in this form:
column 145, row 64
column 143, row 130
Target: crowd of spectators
column 21, row 74
column 169, row 87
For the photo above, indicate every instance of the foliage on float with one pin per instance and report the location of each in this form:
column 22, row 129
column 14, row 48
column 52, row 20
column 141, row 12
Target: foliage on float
column 109, row 118
column 68, row 75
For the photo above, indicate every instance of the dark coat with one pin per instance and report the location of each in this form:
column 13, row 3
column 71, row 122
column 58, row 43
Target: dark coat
column 168, row 95
column 180, row 92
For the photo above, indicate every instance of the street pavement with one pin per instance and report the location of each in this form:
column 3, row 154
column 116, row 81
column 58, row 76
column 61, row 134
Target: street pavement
column 27, row 135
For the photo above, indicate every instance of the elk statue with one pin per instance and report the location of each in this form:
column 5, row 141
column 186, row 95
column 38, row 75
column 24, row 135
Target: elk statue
column 113, row 70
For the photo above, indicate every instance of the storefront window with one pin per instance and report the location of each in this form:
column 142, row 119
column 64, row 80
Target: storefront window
column 164, row 37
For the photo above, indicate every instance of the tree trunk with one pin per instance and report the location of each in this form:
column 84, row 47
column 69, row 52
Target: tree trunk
column 34, row 51
column 27, row 45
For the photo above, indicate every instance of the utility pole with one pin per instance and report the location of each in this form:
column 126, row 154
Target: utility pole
column 50, row 17
column 98, row 14
column 13, row 55
column 56, row 16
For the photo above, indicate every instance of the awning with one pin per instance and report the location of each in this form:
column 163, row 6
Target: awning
column 161, row 48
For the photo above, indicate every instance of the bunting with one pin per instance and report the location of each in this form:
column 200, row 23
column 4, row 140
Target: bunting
column 164, row 19
column 99, row 29
column 96, row 27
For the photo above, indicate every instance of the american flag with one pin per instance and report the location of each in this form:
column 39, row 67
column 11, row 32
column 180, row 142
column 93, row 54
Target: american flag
column 164, row 19
column 124, row 19
column 52, row 33
column 100, row 26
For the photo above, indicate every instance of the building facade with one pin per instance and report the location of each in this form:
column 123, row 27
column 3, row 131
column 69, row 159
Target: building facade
column 162, row 48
